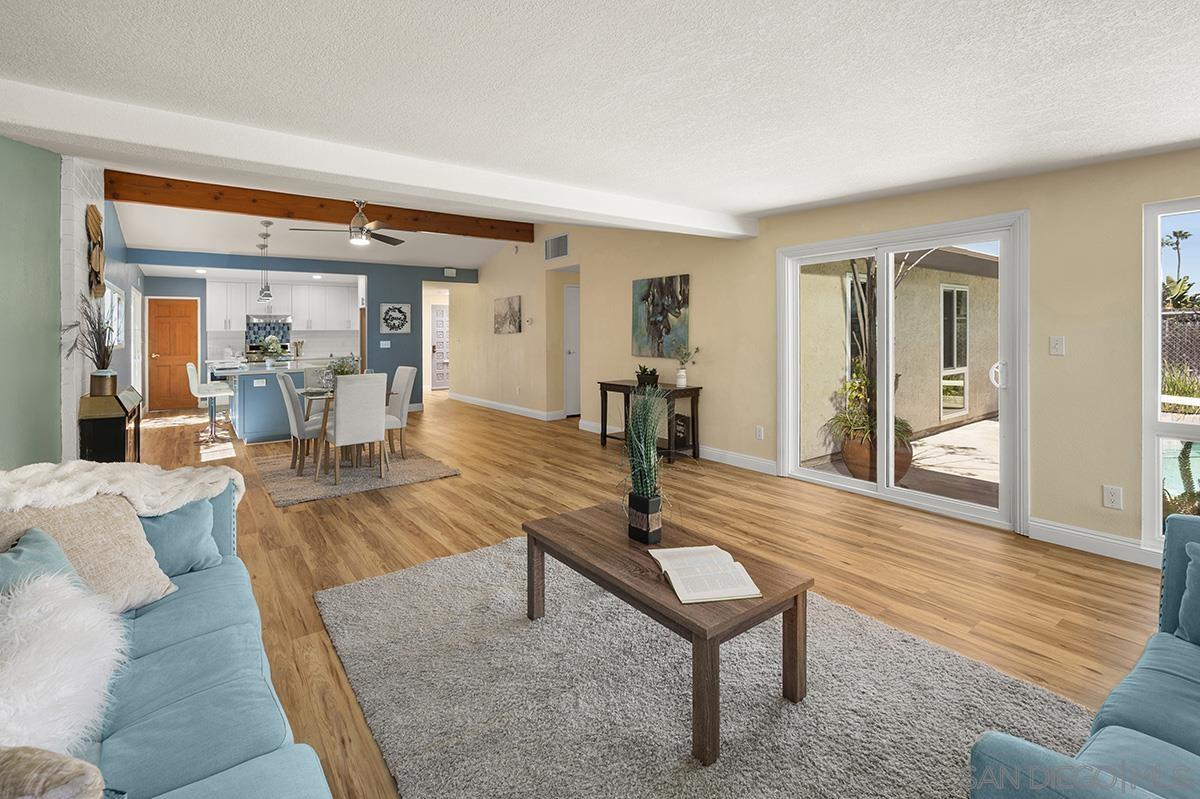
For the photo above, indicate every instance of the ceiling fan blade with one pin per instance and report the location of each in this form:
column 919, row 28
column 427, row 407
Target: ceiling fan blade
column 375, row 225
column 386, row 239
column 320, row 229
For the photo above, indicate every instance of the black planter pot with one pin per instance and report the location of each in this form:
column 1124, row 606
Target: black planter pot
column 645, row 519
column 647, row 380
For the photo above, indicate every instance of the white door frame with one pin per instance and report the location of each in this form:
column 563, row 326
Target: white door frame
column 1012, row 229
column 1153, row 428
column 567, row 288
column 137, row 336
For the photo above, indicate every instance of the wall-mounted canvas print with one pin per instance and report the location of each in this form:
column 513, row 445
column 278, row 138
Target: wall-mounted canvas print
column 660, row 315
column 507, row 315
column 395, row 317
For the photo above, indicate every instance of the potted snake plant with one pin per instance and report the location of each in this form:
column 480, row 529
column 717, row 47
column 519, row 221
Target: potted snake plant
column 647, row 409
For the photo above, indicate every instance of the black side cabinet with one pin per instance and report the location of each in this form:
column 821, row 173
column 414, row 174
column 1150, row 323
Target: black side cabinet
column 110, row 428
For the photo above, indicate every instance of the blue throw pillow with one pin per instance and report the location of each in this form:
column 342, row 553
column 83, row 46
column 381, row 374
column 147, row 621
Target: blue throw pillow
column 182, row 539
column 34, row 553
column 1189, row 605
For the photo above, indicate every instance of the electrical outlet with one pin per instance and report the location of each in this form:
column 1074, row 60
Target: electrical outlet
column 759, row 432
column 518, row 391
column 1058, row 345
column 384, row 344
column 1113, row 498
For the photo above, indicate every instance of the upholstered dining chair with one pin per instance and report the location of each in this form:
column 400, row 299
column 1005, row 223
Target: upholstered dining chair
column 303, row 429
column 358, row 411
column 397, row 406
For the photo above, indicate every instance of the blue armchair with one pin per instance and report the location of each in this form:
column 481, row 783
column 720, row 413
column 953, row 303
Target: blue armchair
column 1145, row 741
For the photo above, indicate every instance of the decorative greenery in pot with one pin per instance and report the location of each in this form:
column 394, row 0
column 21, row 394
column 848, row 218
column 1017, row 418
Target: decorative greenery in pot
column 272, row 349
column 647, row 409
column 686, row 358
column 95, row 337
column 853, row 425
column 646, row 376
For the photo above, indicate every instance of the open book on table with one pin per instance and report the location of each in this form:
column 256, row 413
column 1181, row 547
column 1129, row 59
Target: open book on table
column 704, row 574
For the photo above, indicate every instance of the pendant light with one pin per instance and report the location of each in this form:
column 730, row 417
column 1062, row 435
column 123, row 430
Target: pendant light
column 264, row 288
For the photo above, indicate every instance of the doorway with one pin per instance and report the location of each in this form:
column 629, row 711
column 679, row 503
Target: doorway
column 173, row 340
column 571, row 350
column 901, row 362
column 439, row 349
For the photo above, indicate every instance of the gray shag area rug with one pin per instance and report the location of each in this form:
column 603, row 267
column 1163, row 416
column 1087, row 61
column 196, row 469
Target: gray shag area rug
column 468, row 698
column 286, row 488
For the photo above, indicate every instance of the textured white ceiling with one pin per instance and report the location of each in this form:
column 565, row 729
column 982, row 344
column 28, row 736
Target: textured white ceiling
column 155, row 227
column 736, row 107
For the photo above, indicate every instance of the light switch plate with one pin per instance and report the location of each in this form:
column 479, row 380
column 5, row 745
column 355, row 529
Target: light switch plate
column 260, row 383
column 384, row 344
column 1058, row 345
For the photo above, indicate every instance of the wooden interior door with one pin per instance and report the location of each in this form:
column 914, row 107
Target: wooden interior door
column 172, row 336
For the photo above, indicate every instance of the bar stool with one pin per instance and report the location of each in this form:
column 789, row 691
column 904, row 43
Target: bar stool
column 208, row 391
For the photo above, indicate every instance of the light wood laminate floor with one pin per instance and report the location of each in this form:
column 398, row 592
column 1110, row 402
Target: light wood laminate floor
column 1070, row 621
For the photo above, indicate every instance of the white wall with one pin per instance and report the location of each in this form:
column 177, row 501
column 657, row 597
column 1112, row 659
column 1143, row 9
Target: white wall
column 82, row 185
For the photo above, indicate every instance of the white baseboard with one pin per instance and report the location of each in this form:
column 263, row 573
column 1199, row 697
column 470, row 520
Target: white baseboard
column 531, row 413
column 554, row 416
column 707, row 453
column 1110, row 546
column 594, row 427
column 750, row 462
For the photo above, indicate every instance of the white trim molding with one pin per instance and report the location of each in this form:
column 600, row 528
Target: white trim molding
column 1110, row 546
column 738, row 459
column 529, row 413
column 594, row 427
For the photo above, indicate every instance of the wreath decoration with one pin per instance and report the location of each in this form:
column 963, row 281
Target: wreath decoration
column 395, row 317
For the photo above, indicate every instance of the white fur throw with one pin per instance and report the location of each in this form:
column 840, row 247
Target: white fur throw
column 151, row 490
column 59, row 647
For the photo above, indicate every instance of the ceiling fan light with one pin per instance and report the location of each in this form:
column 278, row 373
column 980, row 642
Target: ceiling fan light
column 359, row 237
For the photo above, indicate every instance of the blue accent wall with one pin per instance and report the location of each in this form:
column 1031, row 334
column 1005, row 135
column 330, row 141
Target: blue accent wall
column 385, row 283
column 124, row 275
column 178, row 287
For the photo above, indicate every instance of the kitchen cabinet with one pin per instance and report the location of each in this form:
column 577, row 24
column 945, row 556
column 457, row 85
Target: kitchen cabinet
column 225, row 305
column 311, row 307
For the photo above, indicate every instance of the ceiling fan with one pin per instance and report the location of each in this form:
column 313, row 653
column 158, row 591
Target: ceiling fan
column 362, row 232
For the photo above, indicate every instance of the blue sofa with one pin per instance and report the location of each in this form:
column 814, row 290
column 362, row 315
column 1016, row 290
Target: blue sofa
column 193, row 713
column 1145, row 741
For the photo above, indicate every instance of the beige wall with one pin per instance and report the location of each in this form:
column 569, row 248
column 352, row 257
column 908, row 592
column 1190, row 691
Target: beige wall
column 1085, row 275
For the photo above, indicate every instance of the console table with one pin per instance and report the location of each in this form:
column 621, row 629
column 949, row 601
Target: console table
column 666, row 446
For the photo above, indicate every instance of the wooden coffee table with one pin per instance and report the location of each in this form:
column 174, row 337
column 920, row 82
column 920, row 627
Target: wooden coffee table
column 595, row 543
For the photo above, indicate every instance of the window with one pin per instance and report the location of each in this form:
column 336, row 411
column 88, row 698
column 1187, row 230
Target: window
column 955, row 327
column 1171, row 365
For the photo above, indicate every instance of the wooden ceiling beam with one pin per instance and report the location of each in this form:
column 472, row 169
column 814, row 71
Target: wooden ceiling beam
column 134, row 188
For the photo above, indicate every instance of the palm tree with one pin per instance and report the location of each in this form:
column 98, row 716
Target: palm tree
column 1174, row 242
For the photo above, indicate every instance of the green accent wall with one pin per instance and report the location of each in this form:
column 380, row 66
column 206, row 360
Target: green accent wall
column 29, row 305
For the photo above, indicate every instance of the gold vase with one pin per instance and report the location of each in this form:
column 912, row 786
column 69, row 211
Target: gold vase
column 103, row 383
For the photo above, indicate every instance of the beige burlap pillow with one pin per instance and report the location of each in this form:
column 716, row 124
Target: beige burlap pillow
column 32, row 773
column 105, row 543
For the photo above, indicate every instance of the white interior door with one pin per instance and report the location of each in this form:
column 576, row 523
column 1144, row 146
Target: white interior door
column 439, row 359
column 571, row 350
column 901, row 367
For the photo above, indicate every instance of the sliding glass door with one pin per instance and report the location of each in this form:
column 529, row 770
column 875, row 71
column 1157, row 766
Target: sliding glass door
column 899, row 367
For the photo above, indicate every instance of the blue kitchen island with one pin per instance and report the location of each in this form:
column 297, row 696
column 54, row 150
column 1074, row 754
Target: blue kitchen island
column 256, row 408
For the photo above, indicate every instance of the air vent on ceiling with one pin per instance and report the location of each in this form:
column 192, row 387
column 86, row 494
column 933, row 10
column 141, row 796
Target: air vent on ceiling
column 556, row 247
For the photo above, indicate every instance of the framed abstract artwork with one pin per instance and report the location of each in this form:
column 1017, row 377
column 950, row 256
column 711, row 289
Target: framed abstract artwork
column 507, row 315
column 660, row 315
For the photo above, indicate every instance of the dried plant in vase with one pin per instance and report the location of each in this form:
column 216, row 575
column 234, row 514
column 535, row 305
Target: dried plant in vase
column 686, row 357
column 95, row 337
column 647, row 410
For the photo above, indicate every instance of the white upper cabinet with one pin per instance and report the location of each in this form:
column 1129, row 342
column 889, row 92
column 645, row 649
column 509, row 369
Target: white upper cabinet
column 311, row 307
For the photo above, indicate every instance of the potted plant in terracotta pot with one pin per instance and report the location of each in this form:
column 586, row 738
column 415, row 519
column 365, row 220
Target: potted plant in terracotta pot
column 853, row 426
column 647, row 409
column 95, row 337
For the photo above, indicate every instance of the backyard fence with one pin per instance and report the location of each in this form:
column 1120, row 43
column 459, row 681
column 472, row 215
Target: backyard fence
column 1181, row 339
